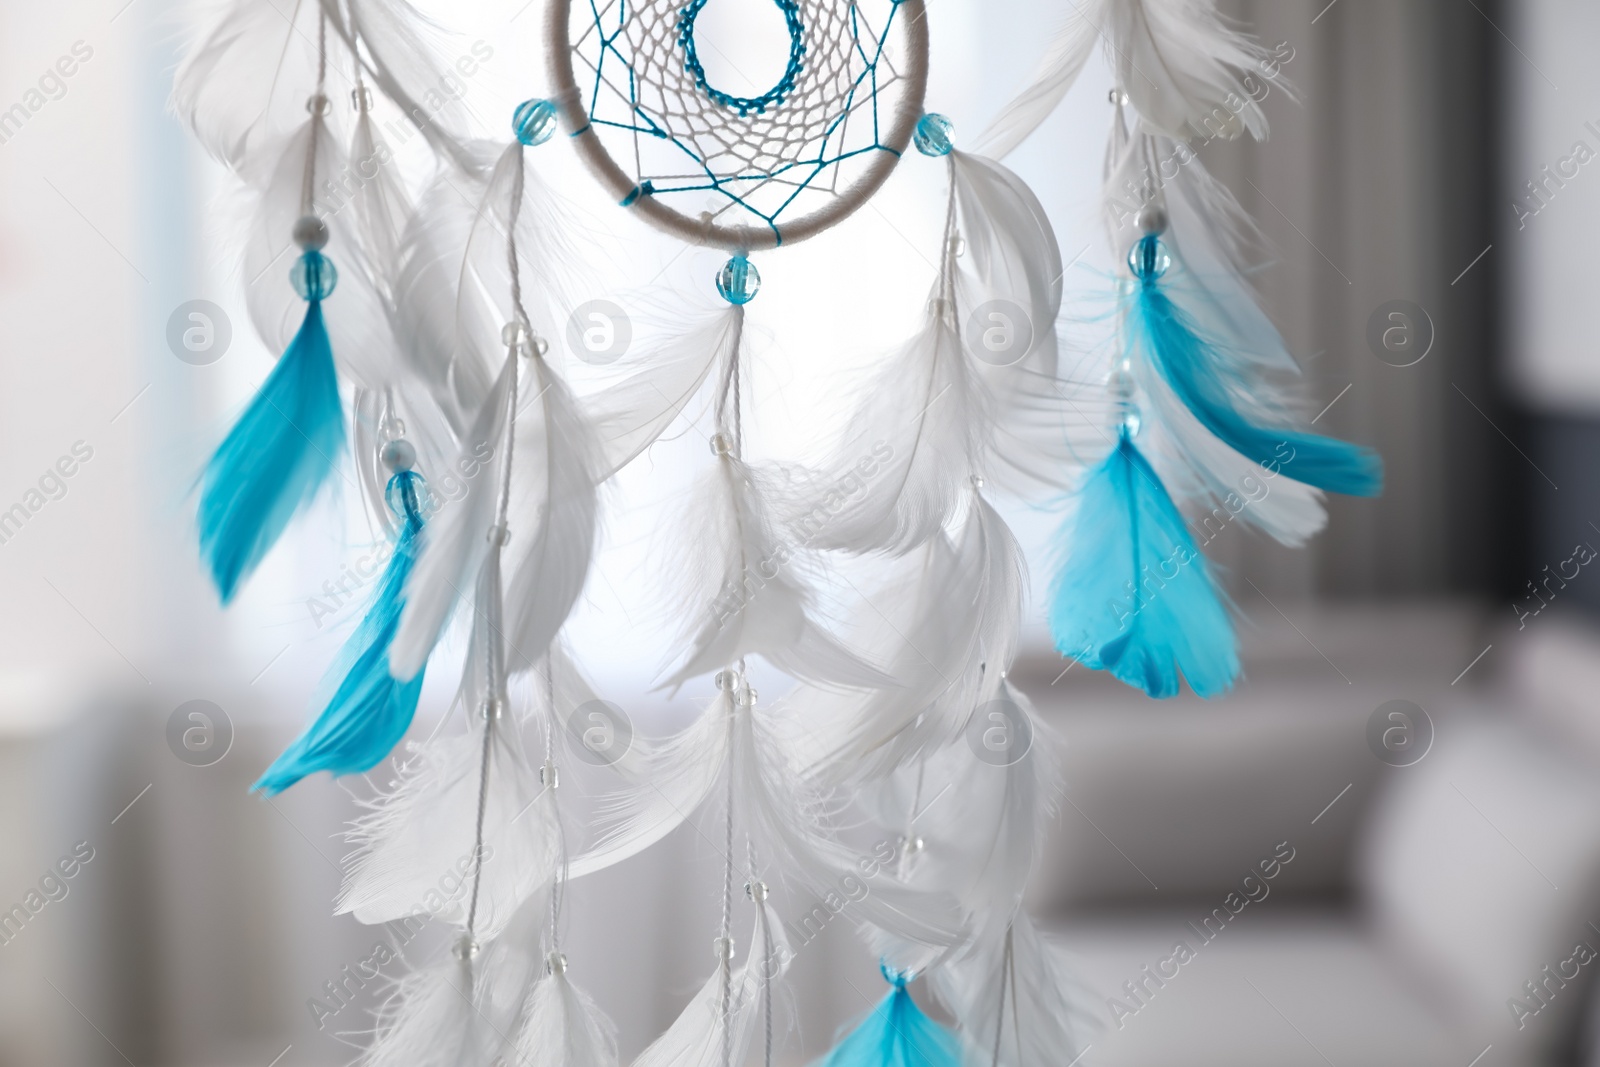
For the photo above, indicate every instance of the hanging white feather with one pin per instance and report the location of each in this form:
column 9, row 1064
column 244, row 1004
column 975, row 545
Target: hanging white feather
column 746, row 595
column 553, row 511
column 462, row 1009
column 774, row 805
column 925, row 419
column 422, row 828
column 716, row 1027
column 1185, row 70
column 946, row 622
column 243, row 81
column 454, row 277
column 1017, row 1000
column 1064, row 58
column 405, row 54
column 563, row 1027
column 456, row 546
column 631, row 414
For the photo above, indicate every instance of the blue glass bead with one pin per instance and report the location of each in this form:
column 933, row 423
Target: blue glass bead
column 534, row 121
column 313, row 276
column 738, row 281
column 933, row 135
column 1149, row 259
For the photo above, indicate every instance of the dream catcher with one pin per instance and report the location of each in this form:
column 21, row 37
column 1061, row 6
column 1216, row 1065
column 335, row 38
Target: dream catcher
column 430, row 339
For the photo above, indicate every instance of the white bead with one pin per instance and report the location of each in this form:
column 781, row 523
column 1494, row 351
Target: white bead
column 310, row 233
column 399, row 455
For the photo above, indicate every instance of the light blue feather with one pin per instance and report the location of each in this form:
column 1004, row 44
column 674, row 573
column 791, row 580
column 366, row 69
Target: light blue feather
column 274, row 460
column 1134, row 595
column 896, row 1034
column 370, row 711
column 1213, row 387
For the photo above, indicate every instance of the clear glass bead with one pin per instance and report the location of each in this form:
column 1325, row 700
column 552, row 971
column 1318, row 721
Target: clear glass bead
column 722, row 948
column 738, row 281
column 466, row 948
column 313, row 276
column 1132, row 420
column 555, row 963
column 720, row 445
column 934, row 135
column 549, row 776
column 534, row 121
column 1149, row 259
column 756, row 891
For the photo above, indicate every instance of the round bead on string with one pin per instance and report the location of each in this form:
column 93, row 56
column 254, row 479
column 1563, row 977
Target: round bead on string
column 466, row 948
column 756, row 891
column 1121, row 386
column 361, row 99
column 722, row 948
column 534, row 121
column 746, row 697
column 727, row 680
column 313, row 275
column 520, row 335
column 913, row 845
column 1153, row 219
column 398, row 455
column 555, row 964
column 318, row 104
column 720, row 445
column 310, row 233
column 934, row 135
column 1149, row 259
column 738, row 281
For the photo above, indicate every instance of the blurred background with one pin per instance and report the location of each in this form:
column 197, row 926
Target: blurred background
column 1413, row 750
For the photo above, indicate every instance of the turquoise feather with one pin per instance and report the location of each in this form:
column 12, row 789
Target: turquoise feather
column 1208, row 383
column 896, row 1034
column 1134, row 595
column 370, row 711
column 274, row 460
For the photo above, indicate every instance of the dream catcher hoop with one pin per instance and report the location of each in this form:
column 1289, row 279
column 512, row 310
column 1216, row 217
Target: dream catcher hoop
column 739, row 172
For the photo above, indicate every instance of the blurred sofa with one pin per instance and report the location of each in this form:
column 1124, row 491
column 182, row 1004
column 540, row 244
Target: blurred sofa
column 1248, row 882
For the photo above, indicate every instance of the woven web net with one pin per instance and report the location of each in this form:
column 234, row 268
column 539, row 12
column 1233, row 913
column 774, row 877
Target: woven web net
column 738, row 160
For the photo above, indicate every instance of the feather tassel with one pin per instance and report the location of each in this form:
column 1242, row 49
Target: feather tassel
column 896, row 1034
column 274, row 460
column 1134, row 595
column 370, row 710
